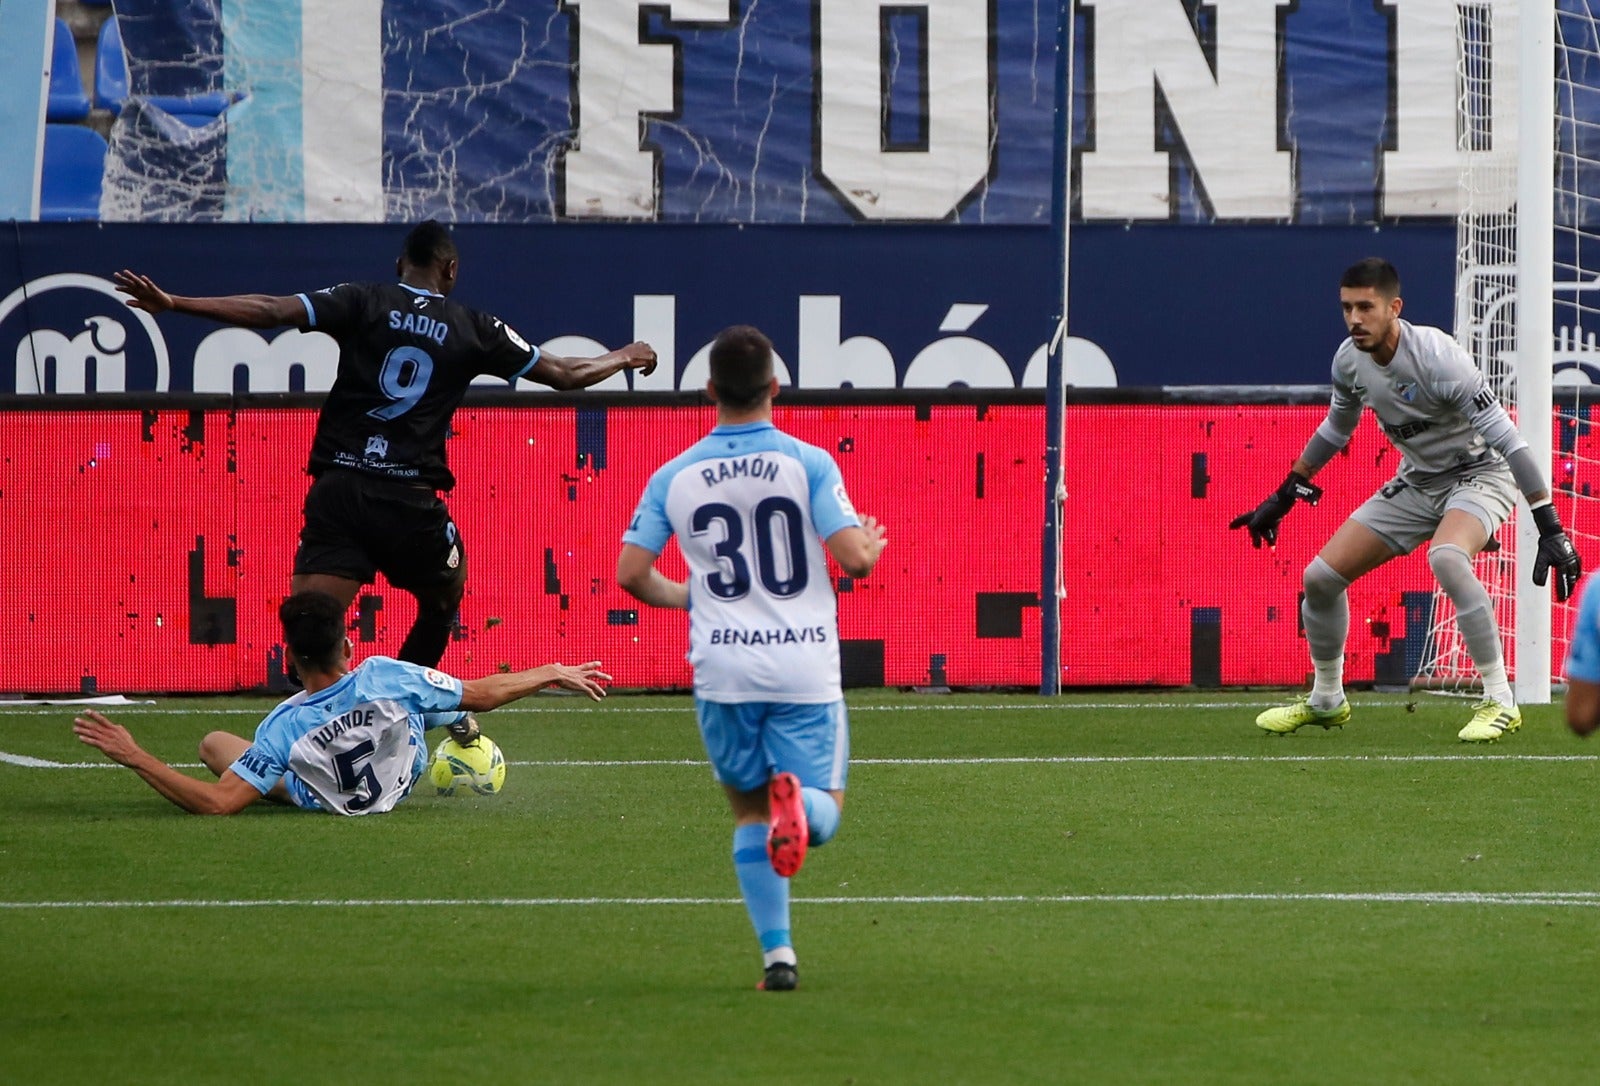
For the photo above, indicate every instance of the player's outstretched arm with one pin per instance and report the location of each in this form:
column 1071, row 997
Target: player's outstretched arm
column 566, row 374
column 493, row 691
column 227, row 795
column 243, row 310
column 857, row 550
column 639, row 578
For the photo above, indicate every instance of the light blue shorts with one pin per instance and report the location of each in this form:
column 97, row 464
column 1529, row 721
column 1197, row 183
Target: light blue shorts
column 749, row 741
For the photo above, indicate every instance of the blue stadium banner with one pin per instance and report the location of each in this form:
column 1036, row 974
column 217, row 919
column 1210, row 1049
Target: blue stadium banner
column 882, row 307
column 717, row 111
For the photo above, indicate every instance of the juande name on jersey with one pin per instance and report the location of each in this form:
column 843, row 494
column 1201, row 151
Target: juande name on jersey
column 360, row 717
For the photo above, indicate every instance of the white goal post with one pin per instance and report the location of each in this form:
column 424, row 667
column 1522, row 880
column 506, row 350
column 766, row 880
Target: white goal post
column 1528, row 301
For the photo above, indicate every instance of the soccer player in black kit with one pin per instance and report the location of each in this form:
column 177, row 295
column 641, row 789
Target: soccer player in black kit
column 406, row 356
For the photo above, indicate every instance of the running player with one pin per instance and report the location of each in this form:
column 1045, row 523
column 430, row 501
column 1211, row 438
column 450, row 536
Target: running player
column 350, row 743
column 1462, row 463
column 748, row 504
column 406, row 356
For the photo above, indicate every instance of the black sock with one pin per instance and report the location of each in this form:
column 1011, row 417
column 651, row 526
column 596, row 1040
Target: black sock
column 429, row 635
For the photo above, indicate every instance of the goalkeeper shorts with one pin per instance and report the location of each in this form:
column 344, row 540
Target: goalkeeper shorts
column 1404, row 516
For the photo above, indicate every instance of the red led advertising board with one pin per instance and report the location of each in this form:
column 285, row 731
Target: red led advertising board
column 147, row 550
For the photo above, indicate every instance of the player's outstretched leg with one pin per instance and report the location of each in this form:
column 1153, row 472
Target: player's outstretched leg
column 429, row 636
column 1491, row 720
column 787, row 833
column 1286, row 719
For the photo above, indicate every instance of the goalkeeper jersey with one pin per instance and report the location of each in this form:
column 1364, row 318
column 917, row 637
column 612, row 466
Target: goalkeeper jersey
column 750, row 506
column 1431, row 401
column 358, row 744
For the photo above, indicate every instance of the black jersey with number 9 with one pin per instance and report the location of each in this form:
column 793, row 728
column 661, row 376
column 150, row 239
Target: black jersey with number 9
column 406, row 357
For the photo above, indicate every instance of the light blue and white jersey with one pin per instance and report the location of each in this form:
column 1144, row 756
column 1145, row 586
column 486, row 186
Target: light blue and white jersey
column 1583, row 656
column 750, row 506
column 358, row 744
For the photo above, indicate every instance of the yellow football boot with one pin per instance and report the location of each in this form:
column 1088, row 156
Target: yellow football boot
column 1286, row 719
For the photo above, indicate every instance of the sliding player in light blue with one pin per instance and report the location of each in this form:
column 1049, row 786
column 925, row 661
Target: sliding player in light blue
column 749, row 505
column 351, row 742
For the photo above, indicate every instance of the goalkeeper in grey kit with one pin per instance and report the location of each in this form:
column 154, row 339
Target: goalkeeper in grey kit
column 1462, row 464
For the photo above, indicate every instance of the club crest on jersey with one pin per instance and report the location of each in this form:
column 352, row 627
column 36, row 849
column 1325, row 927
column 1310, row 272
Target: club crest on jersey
column 377, row 447
column 1407, row 391
column 844, row 500
column 511, row 334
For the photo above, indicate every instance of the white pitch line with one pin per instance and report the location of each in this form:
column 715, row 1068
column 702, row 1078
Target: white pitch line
column 1263, row 759
column 27, row 762
column 38, row 763
column 1099, row 759
column 552, row 705
column 1560, row 898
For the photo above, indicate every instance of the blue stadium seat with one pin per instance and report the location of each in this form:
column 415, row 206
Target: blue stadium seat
column 68, row 102
column 110, row 68
column 111, row 85
column 74, row 163
column 204, row 108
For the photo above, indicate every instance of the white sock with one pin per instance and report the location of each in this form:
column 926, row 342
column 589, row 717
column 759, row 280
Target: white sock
column 780, row 954
column 1496, row 687
column 1327, row 689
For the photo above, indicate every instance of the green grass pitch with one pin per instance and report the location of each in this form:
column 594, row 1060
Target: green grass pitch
column 1100, row 888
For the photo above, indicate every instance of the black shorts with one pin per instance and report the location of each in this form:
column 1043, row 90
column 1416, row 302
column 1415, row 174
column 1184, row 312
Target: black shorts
column 358, row 525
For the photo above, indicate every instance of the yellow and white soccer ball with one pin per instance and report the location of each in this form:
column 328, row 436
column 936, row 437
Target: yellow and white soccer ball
column 456, row 769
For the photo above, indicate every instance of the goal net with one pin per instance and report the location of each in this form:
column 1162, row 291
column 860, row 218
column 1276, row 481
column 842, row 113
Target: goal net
column 1488, row 324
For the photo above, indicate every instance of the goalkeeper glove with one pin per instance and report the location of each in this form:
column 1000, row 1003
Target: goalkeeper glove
column 1555, row 551
column 1263, row 519
column 464, row 731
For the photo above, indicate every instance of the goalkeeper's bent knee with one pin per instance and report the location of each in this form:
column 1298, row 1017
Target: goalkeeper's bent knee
column 1322, row 582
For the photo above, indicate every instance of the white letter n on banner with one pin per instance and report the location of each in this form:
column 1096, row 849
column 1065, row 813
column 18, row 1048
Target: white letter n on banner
column 1228, row 117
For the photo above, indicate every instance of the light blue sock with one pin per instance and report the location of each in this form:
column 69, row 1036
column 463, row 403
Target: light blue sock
column 766, row 893
column 441, row 720
column 822, row 815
